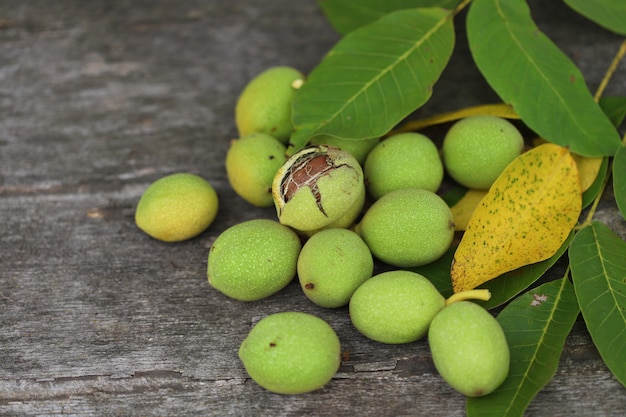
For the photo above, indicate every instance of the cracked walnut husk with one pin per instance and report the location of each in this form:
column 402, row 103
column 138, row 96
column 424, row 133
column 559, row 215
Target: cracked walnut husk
column 319, row 187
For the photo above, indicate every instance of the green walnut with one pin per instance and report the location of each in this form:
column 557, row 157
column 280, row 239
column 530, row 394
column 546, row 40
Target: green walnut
column 253, row 260
column 469, row 348
column 319, row 187
column 265, row 104
column 477, row 149
column 405, row 160
column 332, row 265
column 291, row 353
column 395, row 307
column 177, row 207
column 408, row 227
column 359, row 148
column 251, row 164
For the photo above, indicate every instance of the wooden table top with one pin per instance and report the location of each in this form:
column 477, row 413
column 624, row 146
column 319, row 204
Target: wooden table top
column 99, row 99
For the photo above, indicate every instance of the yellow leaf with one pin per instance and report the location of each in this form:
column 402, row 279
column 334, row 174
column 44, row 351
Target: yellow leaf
column 524, row 218
column 588, row 169
column 462, row 211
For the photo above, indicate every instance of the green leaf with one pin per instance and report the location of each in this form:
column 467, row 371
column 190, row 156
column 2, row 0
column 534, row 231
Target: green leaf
column 599, row 275
column 614, row 108
column 510, row 284
column 619, row 179
column 347, row 15
column 610, row 14
column 533, row 75
column 536, row 325
column 374, row 77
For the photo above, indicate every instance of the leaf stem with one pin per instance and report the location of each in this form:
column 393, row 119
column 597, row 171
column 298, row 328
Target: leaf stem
column 483, row 295
column 461, row 6
column 621, row 52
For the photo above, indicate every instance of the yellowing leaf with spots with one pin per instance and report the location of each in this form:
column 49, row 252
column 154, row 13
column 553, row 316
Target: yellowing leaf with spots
column 588, row 167
column 524, row 218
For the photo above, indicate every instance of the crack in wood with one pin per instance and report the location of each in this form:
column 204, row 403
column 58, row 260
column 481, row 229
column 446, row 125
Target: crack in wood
column 403, row 367
column 64, row 387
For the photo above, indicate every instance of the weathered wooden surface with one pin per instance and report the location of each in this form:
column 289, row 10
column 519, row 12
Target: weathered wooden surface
column 98, row 99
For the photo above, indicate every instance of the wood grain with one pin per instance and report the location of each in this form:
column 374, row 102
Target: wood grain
column 97, row 100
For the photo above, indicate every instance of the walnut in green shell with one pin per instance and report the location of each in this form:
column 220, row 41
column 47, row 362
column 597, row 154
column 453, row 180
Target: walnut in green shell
column 319, row 187
column 251, row 163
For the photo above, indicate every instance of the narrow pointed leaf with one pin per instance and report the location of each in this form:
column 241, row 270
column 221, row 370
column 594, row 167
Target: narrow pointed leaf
column 536, row 326
column 347, row 15
column 598, row 262
column 498, row 110
column 525, row 217
column 610, row 14
column 374, row 77
column 619, row 179
column 528, row 71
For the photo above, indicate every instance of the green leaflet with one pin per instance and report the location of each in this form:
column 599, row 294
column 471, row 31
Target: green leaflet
column 610, row 14
column 599, row 275
column 374, row 77
column 347, row 15
column 619, row 179
column 536, row 326
column 532, row 74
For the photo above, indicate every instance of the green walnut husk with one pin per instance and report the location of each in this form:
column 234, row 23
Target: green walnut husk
column 319, row 187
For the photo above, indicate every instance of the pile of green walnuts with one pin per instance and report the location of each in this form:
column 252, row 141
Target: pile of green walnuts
column 342, row 204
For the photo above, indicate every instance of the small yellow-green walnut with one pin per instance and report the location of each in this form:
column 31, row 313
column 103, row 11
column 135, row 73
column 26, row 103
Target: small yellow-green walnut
column 333, row 263
column 251, row 164
column 477, row 149
column 253, row 260
column 469, row 348
column 291, row 353
column 359, row 148
column 319, row 187
column 177, row 207
column 395, row 307
column 264, row 105
column 408, row 227
column 405, row 160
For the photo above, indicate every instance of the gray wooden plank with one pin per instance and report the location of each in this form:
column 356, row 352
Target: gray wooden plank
column 98, row 99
